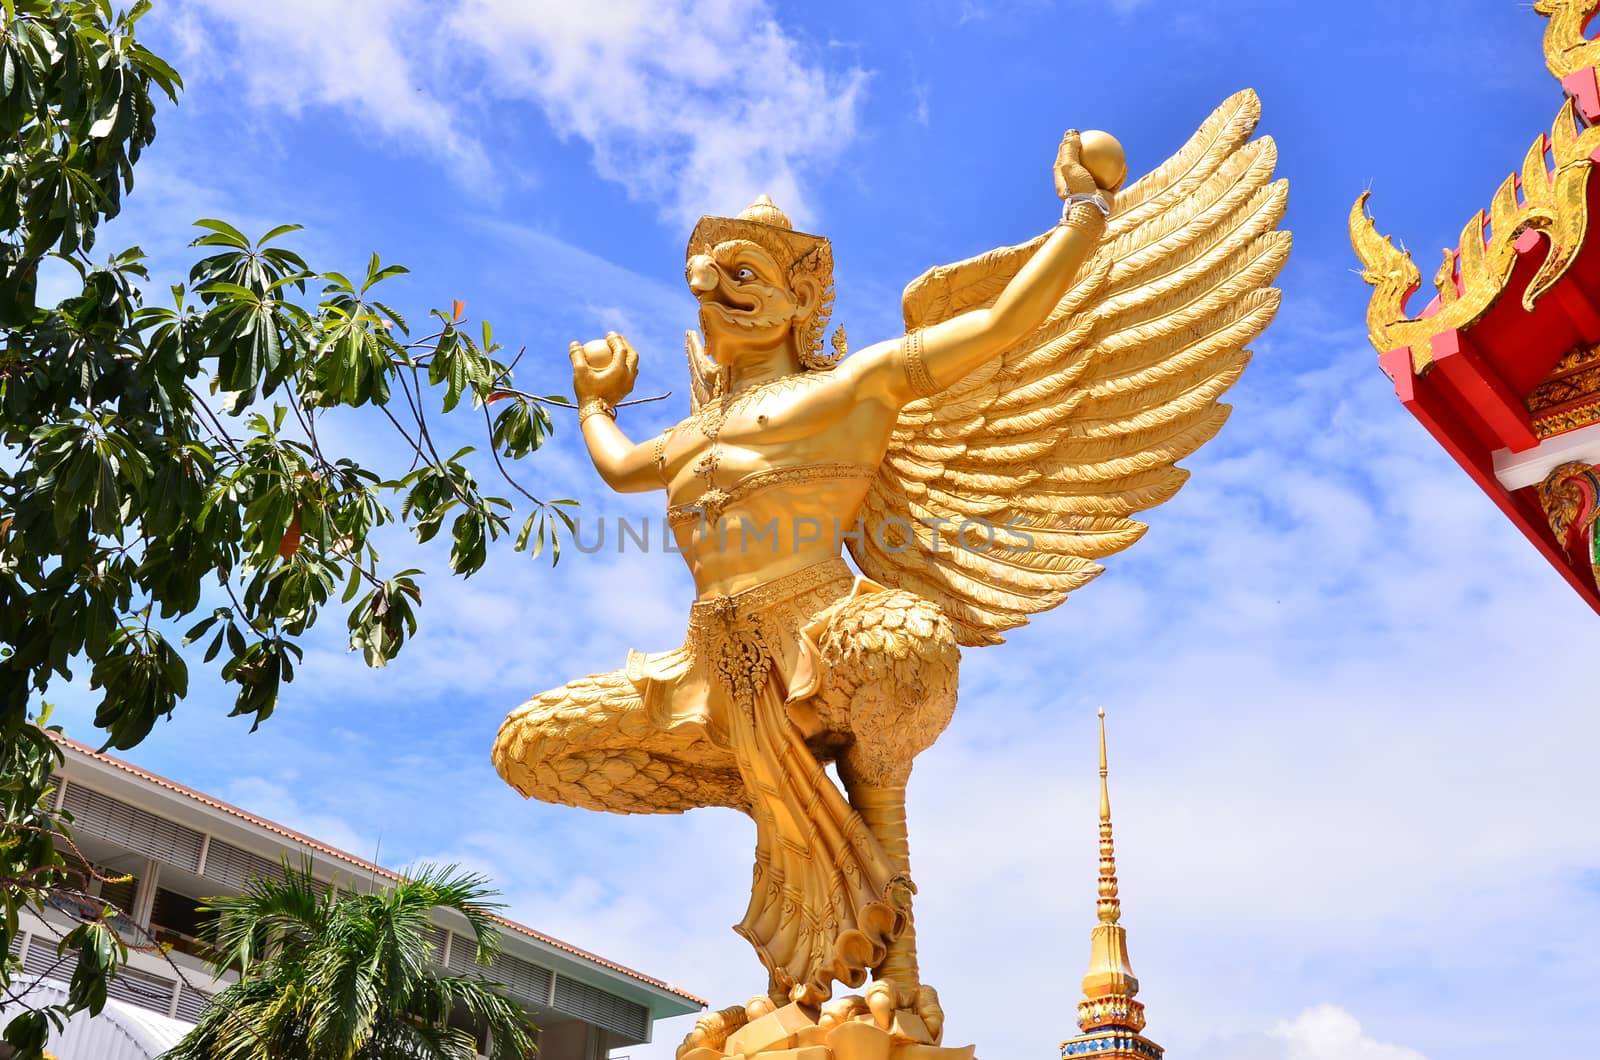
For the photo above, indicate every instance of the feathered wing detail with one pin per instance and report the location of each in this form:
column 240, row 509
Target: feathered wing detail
column 1070, row 433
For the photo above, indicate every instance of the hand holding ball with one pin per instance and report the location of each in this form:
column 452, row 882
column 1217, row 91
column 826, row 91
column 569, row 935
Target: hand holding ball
column 597, row 354
column 604, row 368
column 1089, row 164
column 1103, row 157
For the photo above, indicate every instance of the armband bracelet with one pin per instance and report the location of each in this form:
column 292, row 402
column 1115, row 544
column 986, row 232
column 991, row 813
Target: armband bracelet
column 1093, row 199
column 659, row 451
column 1076, row 215
column 916, row 372
column 596, row 407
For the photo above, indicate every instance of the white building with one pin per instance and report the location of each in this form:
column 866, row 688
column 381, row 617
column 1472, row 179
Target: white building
column 180, row 846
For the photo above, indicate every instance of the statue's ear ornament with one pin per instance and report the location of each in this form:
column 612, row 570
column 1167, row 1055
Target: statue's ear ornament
column 818, row 265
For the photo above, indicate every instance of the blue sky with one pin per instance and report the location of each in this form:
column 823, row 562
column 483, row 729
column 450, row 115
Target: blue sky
column 1351, row 710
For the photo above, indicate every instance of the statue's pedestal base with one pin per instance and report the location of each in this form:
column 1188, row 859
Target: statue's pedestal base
column 795, row 1032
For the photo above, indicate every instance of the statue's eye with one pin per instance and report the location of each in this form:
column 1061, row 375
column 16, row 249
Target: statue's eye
column 745, row 273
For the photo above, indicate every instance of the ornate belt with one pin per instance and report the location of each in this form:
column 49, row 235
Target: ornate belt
column 722, row 609
column 710, row 506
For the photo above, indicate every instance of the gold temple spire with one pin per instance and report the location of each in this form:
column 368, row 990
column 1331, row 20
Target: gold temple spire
column 1109, row 906
column 1109, row 1016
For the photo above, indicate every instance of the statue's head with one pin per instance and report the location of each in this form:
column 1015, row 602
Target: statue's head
column 761, row 285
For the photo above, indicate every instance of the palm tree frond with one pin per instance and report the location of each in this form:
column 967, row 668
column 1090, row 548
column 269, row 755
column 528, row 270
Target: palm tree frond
column 282, row 912
column 348, row 976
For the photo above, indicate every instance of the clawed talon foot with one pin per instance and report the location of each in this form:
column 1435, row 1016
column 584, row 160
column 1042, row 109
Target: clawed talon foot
column 925, row 1003
column 712, row 1031
column 842, row 1010
column 892, row 1006
column 882, row 1000
column 885, row 997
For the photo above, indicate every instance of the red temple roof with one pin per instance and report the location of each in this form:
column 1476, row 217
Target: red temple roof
column 1503, row 365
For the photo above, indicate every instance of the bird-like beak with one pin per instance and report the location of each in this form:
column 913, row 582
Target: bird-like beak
column 710, row 285
column 703, row 274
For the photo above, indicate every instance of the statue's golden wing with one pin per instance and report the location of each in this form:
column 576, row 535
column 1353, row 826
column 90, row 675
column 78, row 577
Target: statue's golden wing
column 1071, row 432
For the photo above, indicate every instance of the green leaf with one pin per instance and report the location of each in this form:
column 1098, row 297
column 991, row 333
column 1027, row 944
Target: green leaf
column 521, row 542
column 28, row 1033
column 280, row 230
column 214, row 647
column 235, row 237
column 165, row 77
column 198, row 630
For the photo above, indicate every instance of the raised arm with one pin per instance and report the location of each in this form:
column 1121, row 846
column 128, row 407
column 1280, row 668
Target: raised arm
column 603, row 373
column 930, row 359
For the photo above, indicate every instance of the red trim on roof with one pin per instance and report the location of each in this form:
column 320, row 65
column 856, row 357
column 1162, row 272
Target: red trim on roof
column 1472, row 401
column 359, row 863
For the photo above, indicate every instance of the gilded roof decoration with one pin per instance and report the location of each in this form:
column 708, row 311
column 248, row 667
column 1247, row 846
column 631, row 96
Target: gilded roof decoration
column 1567, row 49
column 1553, row 201
column 1570, row 497
column 1513, row 372
column 1569, row 396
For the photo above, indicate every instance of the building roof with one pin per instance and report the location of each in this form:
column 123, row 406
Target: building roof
column 1502, row 366
column 120, row 1032
column 366, row 867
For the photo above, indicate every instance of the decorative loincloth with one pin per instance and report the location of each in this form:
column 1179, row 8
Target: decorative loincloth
column 825, row 902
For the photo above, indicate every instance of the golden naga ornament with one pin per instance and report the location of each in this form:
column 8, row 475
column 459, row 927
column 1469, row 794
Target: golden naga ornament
column 1553, row 200
column 1548, row 196
column 976, row 467
column 1568, row 48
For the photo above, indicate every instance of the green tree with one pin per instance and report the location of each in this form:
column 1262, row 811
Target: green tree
column 162, row 463
column 346, row 976
column 165, row 460
column 33, row 867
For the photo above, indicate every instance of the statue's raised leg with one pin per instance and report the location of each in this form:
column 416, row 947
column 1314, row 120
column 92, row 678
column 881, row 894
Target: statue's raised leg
column 591, row 743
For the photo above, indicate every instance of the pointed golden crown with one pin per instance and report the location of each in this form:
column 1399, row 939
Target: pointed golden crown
column 768, row 227
column 767, row 212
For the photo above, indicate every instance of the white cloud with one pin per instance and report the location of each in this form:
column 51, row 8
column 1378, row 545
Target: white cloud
column 372, row 57
column 696, row 104
column 693, row 105
column 921, row 92
column 1325, row 1032
column 278, row 803
column 1118, row 7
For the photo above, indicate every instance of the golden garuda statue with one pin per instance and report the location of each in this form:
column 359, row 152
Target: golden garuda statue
column 976, row 467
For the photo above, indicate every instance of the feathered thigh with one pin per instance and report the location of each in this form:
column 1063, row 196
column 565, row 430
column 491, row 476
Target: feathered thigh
column 886, row 690
column 591, row 743
column 890, row 683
